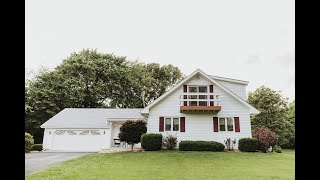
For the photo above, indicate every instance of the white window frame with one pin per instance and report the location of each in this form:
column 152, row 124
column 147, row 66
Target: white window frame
column 226, row 124
column 171, row 129
column 197, row 93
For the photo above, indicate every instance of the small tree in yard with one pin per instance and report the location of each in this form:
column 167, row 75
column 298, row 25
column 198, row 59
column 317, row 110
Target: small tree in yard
column 265, row 137
column 131, row 131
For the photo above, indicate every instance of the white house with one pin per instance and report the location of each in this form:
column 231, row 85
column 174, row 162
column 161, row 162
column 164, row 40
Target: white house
column 200, row 107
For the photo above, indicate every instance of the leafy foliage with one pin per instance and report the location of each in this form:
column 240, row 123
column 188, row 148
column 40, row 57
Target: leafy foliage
column 170, row 142
column 277, row 149
column 28, row 141
column 265, row 137
column 37, row 147
column 151, row 142
column 274, row 113
column 201, row 146
column 131, row 131
column 89, row 79
column 248, row 144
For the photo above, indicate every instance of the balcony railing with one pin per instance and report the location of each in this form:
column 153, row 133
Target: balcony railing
column 200, row 102
column 199, row 99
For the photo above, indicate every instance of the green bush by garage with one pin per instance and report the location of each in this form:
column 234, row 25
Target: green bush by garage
column 248, row 144
column 201, row 146
column 37, row 147
column 151, row 142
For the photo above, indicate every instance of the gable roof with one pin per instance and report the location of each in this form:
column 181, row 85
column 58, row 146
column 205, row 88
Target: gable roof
column 229, row 80
column 251, row 108
column 90, row 117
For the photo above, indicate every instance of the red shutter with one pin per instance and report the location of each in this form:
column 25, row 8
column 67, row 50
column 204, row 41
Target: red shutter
column 185, row 96
column 211, row 96
column 182, row 124
column 237, row 124
column 211, row 88
column 161, row 124
column 215, row 124
column 185, row 88
column 211, row 102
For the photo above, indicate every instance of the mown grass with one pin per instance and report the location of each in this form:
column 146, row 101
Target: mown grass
column 174, row 165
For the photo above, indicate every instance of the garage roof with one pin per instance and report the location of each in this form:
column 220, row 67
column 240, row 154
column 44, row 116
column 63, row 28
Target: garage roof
column 89, row 117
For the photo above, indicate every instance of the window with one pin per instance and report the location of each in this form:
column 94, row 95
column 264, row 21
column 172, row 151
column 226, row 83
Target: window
column 95, row 132
column 193, row 97
column 59, row 132
column 230, row 124
column 172, row 124
column 168, row 124
column 193, row 103
column 84, row 133
column 201, row 94
column 226, row 124
column 203, row 89
column 72, row 133
column 193, row 89
column 222, row 124
column 175, row 124
column 203, row 103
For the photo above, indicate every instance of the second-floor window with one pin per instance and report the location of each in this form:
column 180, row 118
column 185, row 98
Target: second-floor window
column 201, row 98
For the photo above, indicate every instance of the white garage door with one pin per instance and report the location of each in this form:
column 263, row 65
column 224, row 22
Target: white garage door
column 79, row 140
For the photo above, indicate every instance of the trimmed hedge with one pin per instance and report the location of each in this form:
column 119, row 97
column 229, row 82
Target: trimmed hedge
column 201, row 146
column 37, row 147
column 151, row 142
column 248, row 144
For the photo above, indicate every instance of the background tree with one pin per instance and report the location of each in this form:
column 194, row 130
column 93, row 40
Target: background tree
column 273, row 113
column 131, row 131
column 89, row 79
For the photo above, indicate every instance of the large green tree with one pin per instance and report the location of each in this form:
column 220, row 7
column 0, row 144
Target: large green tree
column 89, row 79
column 273, row 114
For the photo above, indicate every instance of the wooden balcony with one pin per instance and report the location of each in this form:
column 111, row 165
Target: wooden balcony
column 200, row 108
column 200, row 102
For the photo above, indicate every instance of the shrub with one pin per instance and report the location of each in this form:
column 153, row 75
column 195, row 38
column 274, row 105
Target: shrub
column 151, row 142
column 277, row 149
column 248, row 144
column 170, row 142
column 37, row 147
column 28, row 139
column 265, row 137
column 200, row 146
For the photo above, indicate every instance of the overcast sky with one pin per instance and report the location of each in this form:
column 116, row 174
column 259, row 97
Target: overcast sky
column 249, row 40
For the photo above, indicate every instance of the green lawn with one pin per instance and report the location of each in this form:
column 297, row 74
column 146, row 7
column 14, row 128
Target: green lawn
column 174, row 165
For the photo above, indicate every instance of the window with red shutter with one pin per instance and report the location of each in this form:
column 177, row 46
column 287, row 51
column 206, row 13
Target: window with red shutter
column 182, row 124
column 237, row 124
column 161, row 124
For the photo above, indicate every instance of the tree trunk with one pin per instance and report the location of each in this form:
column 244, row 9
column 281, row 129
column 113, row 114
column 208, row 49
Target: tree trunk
column 132, row 146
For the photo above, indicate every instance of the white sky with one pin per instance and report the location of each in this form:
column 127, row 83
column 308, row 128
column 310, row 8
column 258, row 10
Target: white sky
column 252, row 40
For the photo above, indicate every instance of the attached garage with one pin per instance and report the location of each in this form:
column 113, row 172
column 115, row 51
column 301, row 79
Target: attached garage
column 85, row 130
column 79, row 140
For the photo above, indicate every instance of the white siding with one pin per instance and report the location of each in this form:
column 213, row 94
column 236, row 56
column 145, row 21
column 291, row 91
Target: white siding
column 199, row 125
column 238, row 89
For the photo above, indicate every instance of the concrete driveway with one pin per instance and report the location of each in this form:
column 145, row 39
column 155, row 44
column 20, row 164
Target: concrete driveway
column 37, row 161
